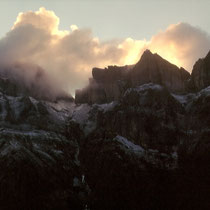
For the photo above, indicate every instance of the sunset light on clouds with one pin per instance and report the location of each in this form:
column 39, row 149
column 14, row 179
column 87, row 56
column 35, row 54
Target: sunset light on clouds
column 68, row 56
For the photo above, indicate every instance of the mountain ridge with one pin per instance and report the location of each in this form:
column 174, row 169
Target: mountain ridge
column 123, row 146
column 110, row 83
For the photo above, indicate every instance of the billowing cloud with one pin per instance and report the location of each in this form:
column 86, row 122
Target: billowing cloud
column 181, row 44
column 42, row 19
column 67, row 57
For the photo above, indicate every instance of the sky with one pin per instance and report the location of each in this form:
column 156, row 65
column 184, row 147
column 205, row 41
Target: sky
column 114, row 18
column 65, row 39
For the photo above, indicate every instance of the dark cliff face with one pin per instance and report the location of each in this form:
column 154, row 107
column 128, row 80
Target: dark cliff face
column 150, row 144
column 111, row 74
column 106, row 85
column 200, row 77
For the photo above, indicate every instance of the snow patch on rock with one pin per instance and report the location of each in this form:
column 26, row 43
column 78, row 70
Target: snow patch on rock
column 184, row 99
column 82, row 115
column 144, row 88
column 106, row 107
column 205, row 91
column 128, row 144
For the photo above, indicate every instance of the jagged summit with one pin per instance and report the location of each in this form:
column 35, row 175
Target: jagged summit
column 110, row 83
column 148, row 55
column 153, row 68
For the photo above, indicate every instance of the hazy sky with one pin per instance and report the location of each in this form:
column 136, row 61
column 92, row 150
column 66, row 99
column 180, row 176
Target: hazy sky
column 110, row 19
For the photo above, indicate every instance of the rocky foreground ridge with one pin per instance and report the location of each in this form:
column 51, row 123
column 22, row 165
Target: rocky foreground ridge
column 136, row 138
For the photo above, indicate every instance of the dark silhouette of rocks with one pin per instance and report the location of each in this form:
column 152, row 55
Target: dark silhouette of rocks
column 149, row 144
column 106, row 85
column 200, row 77
column 110, row 83
column 155, row 69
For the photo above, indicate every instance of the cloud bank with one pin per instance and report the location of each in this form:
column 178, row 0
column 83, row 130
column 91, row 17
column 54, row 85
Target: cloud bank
column 65, row 58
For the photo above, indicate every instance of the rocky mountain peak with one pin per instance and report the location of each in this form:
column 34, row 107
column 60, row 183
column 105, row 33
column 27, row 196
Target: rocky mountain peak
column 200, row 77
column 110, row 83
column 147, row 53
column 152, row 58
column 153, row 68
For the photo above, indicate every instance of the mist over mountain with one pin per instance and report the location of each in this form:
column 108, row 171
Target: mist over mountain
column 136, row 137
column 29, row 79
column 66, row 57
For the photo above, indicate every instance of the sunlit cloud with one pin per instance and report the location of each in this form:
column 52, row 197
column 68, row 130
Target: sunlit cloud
column 181, row 44
column 133, row 49
column 67, row 57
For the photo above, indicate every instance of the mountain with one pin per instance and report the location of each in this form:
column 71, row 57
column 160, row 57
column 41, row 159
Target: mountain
column 149, row 144
column 155, row 69
column 106, row 85
column 110, row 83
column 135, row 138
column 200, row 77
column 30, row 80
